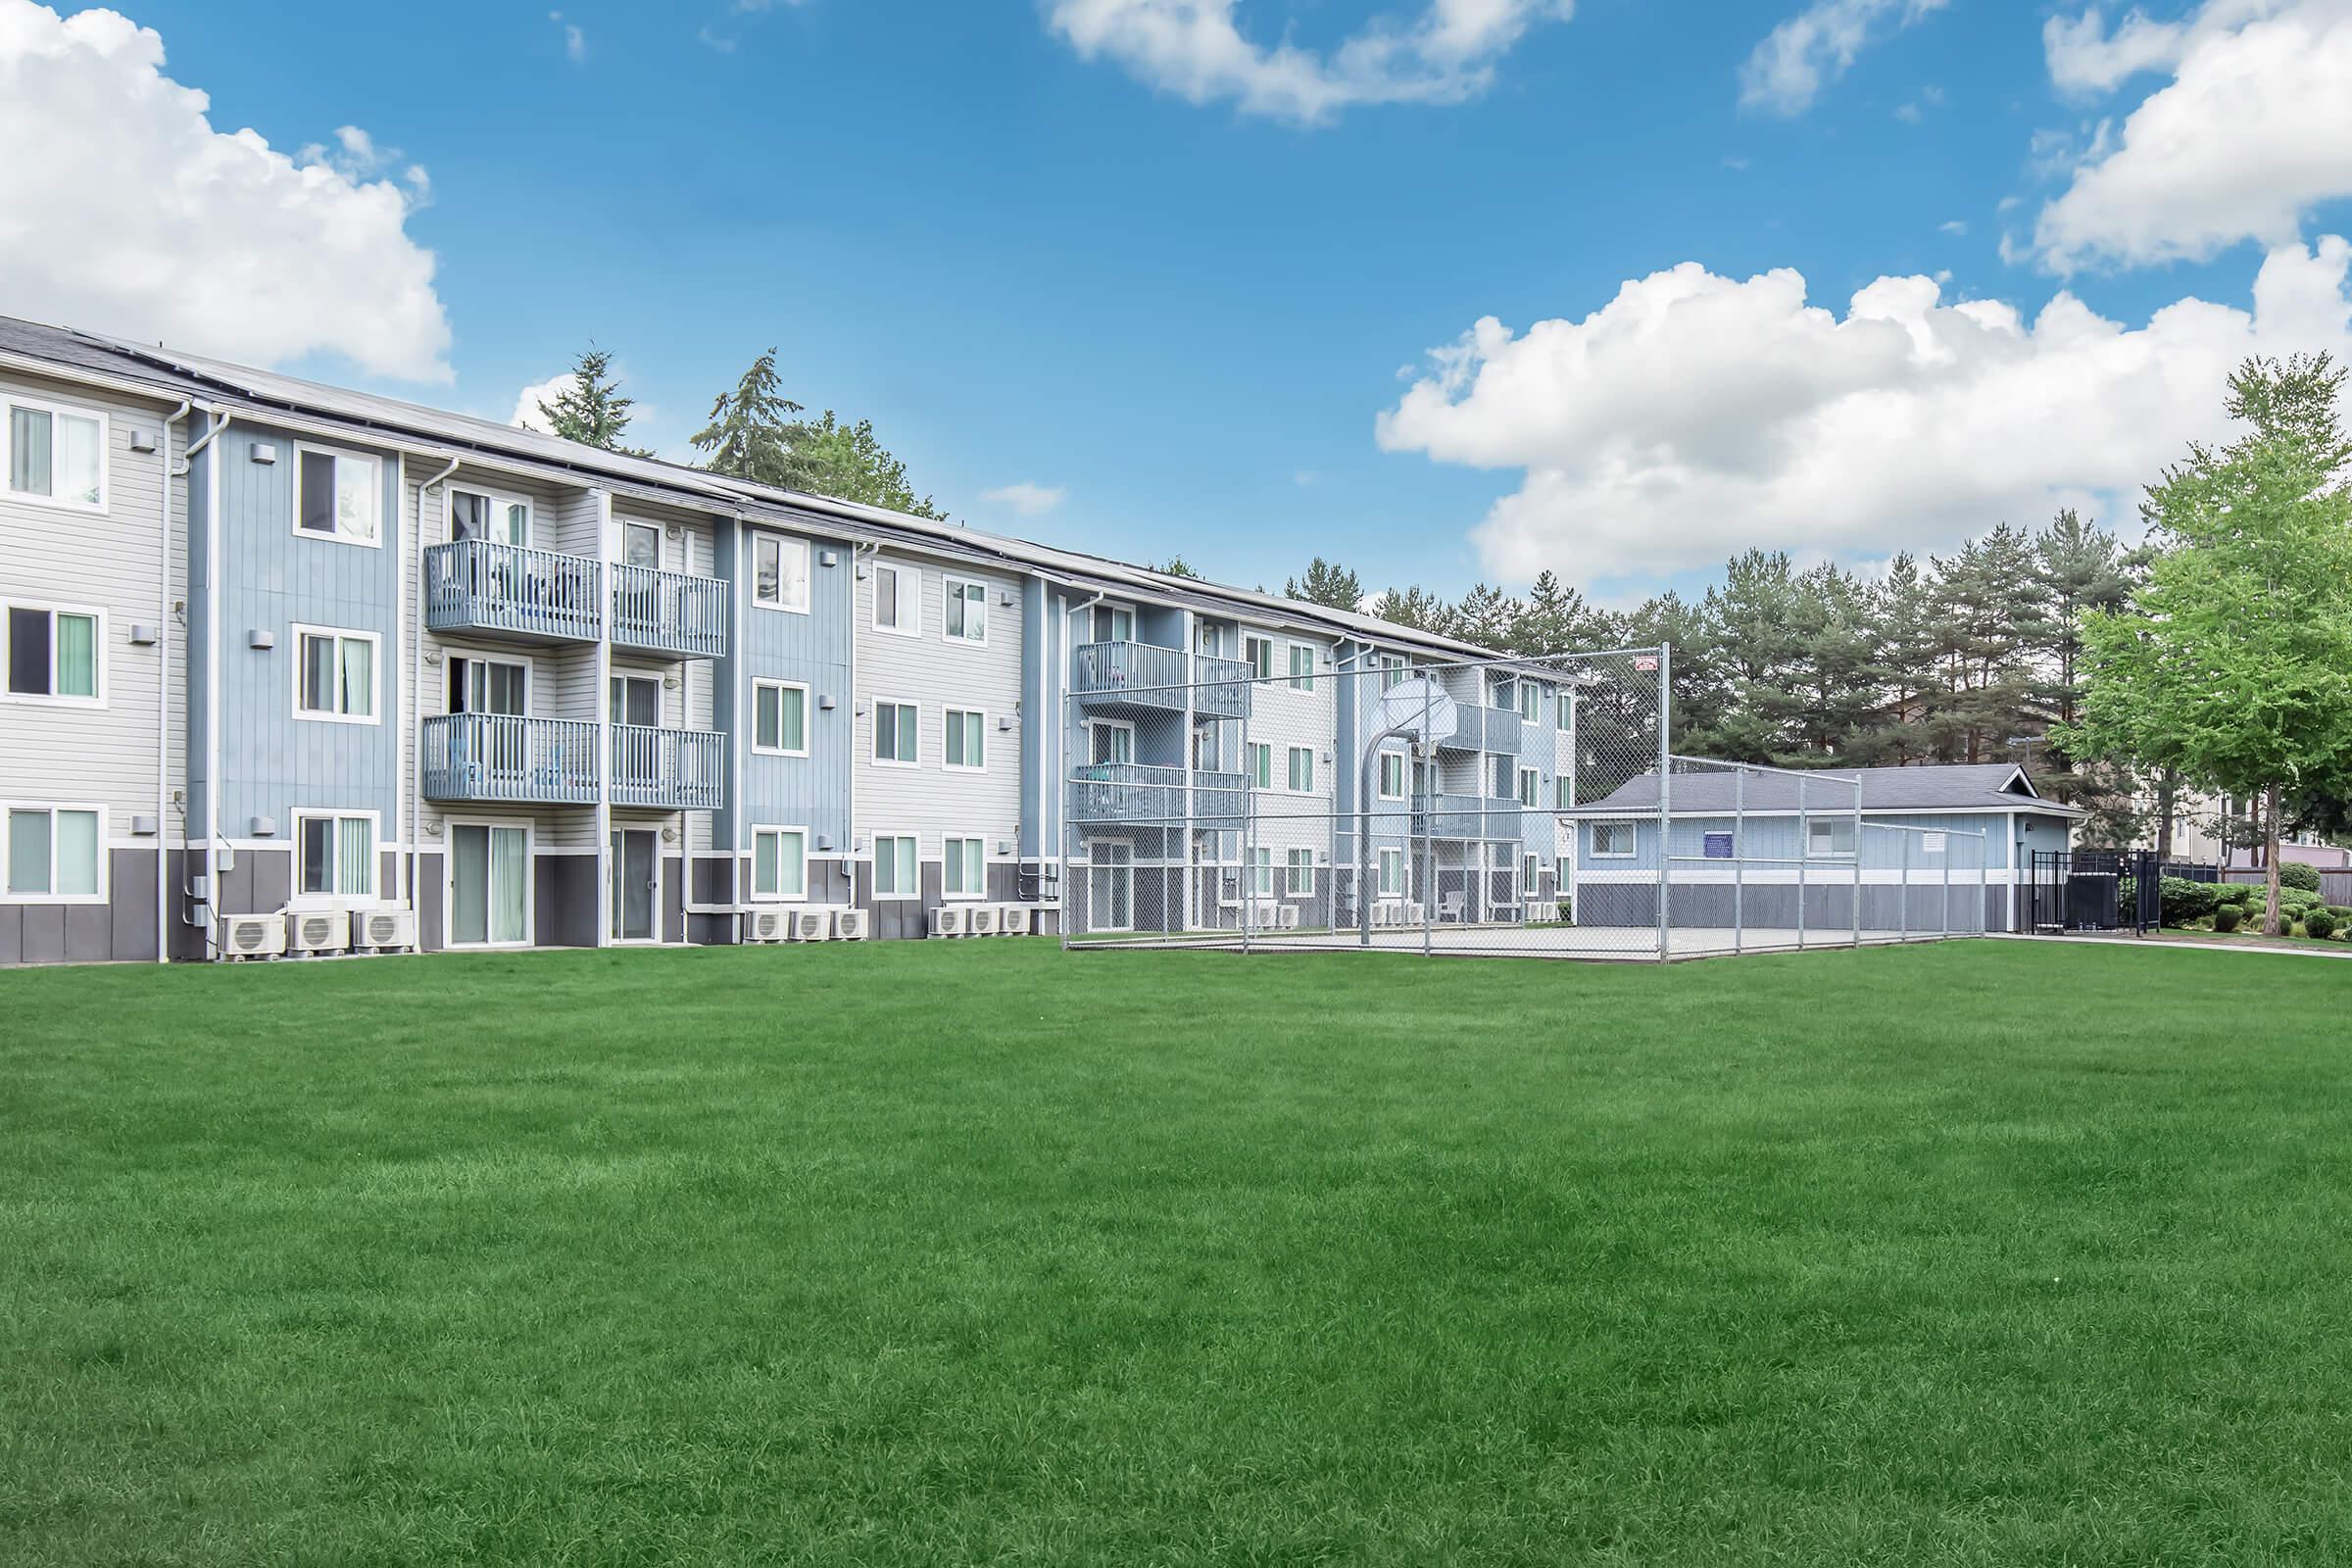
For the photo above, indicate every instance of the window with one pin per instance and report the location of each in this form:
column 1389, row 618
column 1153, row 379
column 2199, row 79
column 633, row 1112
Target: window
column 1258, row 653
column 779, row 863
column 1612, row 841
column 964, row 874
column 1530, row 873
column 779, row 572
column 780, row 717
column 1110, row 741
column 1529, row 783
column 1262, row 872
column 336, row 496
column 967, row 610
column 1391, row 775
column 964, row 748
column 334, row 675
column 1302, row 770
column 1563, row 793
column 56, row 454
column 478, row 685
column 477, row 514
column 489, row 885
column 635, row 700
column 1829, row 836
column 895, row 734
column 1113, row 623
column 334, row 856
column 1303, row 667
column 1567, row 709
column 1530, row 700
column 1391, row 873
column 897, row 599
column 897, row 875
column 1261, row 758
column 1394, row 670
column 56, row 852
column 53, row 653
column 641, row 546
column 1298, row 871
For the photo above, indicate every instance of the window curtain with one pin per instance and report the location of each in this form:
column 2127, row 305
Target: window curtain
column 356, row 661
column 509, row 870
column 77, row 656
column 29, row 852
column 28, row 451
column 355, row 868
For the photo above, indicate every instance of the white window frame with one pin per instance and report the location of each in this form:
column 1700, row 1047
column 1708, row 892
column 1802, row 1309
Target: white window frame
column 1395, row 670
column 1531, row 789
column 1813, row 824
column 807, row 710
column 1294, row 679
column 1380, row 779
column 951, row 589
column 338, row 898
column 1261, row 669
column 619, row 681
column 1094, row 724
column 1293, row 884
column 1392, row 887
column 1290, row 775
column 448, row 884
column 1530, row 702
column 914, row 728
column 979, row 727
column 1632, row 840
column 628, row 526
column 783, row 542
column 1259, row 869
column 375, row 673
column 53, row 808
column 914, row 894
column 1114, row 609
column 1559, row 792
column 910, row 606
column 499, row 500
column 98, row 645
column 522, row 662
column 779, row 832
column 951, row 856
column 1253, row 751
column 56, row 412
column 341, row 454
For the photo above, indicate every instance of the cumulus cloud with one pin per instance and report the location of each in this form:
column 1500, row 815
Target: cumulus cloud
column 526, row 401
column 1788, row 70
column 2253, row 131
column 124, row 210
column 1694, row 415
column 1026, row 497
column 575, row 41
column 1195, row 49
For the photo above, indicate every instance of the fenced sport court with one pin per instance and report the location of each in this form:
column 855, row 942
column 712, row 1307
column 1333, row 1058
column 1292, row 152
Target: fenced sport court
column 1502, row 807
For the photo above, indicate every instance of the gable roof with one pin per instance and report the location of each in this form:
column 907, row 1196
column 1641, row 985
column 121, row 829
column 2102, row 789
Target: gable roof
column 176, row 374
column 1941, row 787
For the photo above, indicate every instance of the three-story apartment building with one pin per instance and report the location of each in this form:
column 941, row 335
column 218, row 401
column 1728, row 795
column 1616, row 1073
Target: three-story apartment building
column 283, row 651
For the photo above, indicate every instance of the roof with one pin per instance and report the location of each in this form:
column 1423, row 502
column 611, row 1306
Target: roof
column 1941, row 787
column 177, row 373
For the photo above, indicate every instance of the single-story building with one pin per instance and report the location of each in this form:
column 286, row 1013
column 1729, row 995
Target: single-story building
column 1779, row 846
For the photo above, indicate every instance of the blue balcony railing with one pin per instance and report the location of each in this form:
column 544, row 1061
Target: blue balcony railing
column 475, row 585
column 669, row 612
column 503, row 757
column 1128, row 674
column 668, row 769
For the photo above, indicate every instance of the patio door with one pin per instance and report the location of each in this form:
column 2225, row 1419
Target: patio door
column 636, row 699
column 636, row 881
column 489, row 884
column 1111, row 885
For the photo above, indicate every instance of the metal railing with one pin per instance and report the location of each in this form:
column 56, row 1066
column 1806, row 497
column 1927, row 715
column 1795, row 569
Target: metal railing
column 671, row 769
column 1221, row 686
column 504, row 757
column 1140, row 792
column 1141, row 674
column 669, row 612
column 1478, row 728
column 482, row 586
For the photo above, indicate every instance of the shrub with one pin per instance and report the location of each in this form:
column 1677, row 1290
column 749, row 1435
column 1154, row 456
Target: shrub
column 2225, row 918
column 2319, row 923
column 2184, row 903
column 2295, row 874
column 2241, row 894
column 2297, row 900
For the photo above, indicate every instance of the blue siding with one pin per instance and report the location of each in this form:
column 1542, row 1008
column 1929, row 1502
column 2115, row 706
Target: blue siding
column 1776, row 837
column 813, row 649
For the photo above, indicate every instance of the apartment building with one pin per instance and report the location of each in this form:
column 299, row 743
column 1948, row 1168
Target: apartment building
column 291, row 665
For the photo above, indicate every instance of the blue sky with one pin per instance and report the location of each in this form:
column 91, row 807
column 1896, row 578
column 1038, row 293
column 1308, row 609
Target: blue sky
column 1027, row 266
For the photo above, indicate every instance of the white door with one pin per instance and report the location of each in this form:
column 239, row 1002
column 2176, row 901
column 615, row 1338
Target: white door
column 1110, row 886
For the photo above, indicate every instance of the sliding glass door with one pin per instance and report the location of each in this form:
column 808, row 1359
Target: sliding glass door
column 489, row 884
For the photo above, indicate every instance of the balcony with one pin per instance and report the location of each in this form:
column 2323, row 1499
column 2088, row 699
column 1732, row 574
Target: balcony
column 505, row 757
column 670, row 612
column 668, row 769
column 1128, row 675
column 511, row 592
column 1137, row 792
column 1467, row 817
column 1478, row 728
column 1221, row 688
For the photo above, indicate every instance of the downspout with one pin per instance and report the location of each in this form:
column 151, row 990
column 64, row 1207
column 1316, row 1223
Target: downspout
column 215, row 424
column 413, row 860
column 163, row 695
column 1061, row 756
column 849, row 854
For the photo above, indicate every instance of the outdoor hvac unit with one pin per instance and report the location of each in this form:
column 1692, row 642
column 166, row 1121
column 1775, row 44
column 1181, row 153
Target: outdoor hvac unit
column 1268, row 915
column 981, row 919
column 1286, row 918
column 1410, row 914
column 769, row 925
column 949, row 920
column 851, row 925
column 253, row 935
column 318, row 930
column 1013, row 919
column 388, row 929
column 811, row 923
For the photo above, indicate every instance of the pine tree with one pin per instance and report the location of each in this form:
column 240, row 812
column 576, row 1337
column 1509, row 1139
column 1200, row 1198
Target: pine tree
column 1326, row 583
column 589, row 410
column 1177, row 566
column 748, row 437
column 826, row 458
column 1417, row 607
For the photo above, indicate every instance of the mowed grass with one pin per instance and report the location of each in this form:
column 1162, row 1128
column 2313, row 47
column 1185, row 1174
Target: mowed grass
column 1989, row 1253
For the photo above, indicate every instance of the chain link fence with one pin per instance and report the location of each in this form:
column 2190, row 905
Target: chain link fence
column 1506, row 806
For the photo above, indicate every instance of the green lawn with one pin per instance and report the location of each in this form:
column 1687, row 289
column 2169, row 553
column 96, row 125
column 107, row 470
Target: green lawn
column 1989, row 1253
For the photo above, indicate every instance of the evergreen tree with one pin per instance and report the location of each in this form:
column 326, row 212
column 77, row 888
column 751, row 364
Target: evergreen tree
column 589, row 410
column 1327, row 583
column 748, row 437
column 1417, row 607
column 826, row 458
column 1178, row 566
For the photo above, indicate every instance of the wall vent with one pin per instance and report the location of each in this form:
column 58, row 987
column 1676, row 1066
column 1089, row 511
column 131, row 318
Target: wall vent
column 265, row 452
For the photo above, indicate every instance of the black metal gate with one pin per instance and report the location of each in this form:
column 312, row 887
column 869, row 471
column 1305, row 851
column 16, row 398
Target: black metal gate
column 2099, row 890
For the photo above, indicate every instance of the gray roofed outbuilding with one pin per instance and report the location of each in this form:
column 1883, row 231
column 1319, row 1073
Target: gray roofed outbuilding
column 1943, row 787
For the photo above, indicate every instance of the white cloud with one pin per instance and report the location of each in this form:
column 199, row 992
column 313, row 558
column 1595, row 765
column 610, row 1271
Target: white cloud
column 1788, row 70
column 527, row 403
column 2253, row 131
column 1027, row 499
column 125, row 212
column 1195, row 49
column 1952, row 226
column 575, row 41
column 1695, row 416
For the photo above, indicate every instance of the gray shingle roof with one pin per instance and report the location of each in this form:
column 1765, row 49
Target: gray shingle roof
column 1946, row 787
